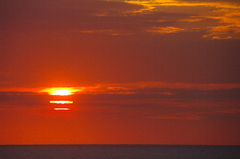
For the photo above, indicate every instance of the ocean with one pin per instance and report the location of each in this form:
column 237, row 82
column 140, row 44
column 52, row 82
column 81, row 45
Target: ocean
column 118, row 152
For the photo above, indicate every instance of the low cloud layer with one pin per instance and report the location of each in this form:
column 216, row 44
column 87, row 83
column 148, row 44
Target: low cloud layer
column 145, row 100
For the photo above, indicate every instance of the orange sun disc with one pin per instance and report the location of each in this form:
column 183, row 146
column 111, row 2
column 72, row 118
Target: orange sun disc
column 62, row 92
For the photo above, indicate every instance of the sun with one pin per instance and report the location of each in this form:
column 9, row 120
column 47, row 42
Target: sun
column 61, row 91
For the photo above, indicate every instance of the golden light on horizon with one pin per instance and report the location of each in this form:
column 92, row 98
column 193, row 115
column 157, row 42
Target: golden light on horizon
column 61, row 102
column 62, row 91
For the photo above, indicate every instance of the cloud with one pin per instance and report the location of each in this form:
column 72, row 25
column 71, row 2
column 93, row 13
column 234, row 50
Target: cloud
column 164, row 30
column 195, row 1
column 187, row 86
column 228, row 111
column 62, row 15
column 168, row 101
column 5, row 78
column 129, row 94
column 159, row 88
column 227, row 14
column 219, row 20
column 23, row 98
column 153, row 4
column 178, row 117
column 195, row 115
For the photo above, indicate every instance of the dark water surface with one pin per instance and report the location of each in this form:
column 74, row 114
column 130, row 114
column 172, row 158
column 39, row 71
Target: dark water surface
column 118, row 152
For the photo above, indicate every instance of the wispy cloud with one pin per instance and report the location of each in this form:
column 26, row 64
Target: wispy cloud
column 194, row 115
column 217, row 19
column 164, row 30
column 228, row 111
column 178, row 117
column 226, row 13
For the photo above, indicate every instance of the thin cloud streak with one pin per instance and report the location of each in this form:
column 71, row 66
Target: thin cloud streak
column 179, row 117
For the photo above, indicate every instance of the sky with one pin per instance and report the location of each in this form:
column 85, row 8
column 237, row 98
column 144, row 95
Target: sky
column 140, row 72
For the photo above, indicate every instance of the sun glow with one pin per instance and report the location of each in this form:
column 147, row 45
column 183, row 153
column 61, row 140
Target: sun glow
column 62, row 91
column 61, row 102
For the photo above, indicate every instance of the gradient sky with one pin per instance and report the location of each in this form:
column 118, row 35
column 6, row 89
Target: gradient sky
column 147, row 72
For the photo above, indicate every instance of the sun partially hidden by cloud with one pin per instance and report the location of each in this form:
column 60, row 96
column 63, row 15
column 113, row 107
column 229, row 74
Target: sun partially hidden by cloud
column 62, row 91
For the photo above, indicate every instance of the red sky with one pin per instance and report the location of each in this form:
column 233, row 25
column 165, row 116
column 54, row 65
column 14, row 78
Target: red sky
column 147, row 72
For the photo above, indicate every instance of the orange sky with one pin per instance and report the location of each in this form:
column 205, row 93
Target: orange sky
column 143, row 72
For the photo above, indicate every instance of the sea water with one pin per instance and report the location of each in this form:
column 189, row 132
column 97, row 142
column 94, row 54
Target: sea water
column 118, row 152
